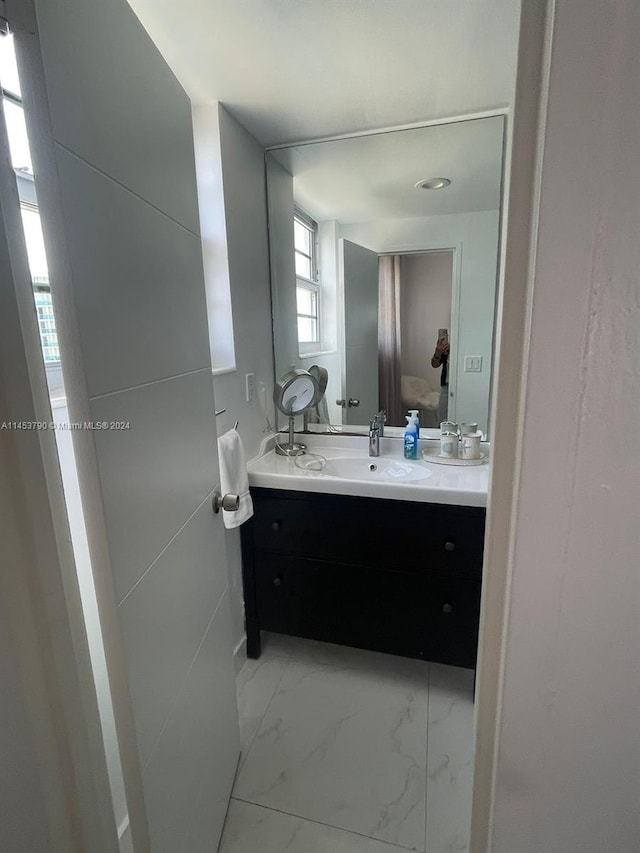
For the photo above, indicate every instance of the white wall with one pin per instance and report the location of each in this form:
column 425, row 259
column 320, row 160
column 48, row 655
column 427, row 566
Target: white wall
column 425, row 307
column 36, row 800
column 568, row 759
column 213, row 233
column 281, row 205
column 475, row 237
column 243, row 181
column 283, row 273
column 24, row 818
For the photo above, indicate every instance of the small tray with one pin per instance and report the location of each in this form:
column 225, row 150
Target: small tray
column 430, row 456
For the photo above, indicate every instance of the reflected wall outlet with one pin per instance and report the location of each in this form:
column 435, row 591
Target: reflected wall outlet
column 250, row 384
column 473, row 364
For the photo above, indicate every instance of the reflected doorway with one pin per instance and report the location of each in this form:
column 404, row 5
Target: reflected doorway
column 398, row 342
column 426, row 282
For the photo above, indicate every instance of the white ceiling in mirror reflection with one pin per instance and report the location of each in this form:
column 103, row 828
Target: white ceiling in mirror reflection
column 373, row 177
column 290, row 71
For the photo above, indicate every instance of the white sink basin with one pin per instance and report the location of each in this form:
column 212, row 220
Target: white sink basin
column 346, row 472
column 377, row 469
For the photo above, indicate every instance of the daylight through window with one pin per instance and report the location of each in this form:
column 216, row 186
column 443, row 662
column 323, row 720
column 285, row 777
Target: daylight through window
column 21, row 161
column 305, row 236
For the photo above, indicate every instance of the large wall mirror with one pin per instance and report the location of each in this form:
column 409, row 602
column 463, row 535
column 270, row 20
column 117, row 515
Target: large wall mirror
column 384, row 264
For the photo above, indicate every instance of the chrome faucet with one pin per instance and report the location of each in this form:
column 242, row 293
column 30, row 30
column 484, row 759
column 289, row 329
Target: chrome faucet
column 380, row 418
column 375, row 431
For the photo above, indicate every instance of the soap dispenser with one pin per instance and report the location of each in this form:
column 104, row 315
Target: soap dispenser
column 416, row 422
column 411, row 438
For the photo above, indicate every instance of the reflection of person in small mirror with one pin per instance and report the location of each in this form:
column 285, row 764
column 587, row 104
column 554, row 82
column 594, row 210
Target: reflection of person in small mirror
column 440, row 358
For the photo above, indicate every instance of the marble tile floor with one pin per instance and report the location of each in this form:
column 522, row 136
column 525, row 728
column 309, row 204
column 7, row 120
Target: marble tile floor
column 349, row 751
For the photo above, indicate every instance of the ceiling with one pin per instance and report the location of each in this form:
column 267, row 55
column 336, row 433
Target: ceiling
column 373, row 177
column 291, row 70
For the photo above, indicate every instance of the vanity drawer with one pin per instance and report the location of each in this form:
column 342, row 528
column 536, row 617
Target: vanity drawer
column 414, row 615
column 454, row 621
column 399, row 535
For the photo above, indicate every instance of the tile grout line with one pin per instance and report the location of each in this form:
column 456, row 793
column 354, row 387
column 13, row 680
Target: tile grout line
column 259, row 726
column 398, row 847
column 337, row 668
column 316, row 666
column 426, row 764
column 289, row 659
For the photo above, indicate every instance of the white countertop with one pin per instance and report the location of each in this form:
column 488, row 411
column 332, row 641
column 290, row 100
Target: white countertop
column 458, row 486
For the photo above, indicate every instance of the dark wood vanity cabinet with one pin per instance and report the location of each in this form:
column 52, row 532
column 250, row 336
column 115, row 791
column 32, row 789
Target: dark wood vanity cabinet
column 392, row 576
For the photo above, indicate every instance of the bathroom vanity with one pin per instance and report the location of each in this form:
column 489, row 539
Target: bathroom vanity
column 326, row 558
column 386, row 559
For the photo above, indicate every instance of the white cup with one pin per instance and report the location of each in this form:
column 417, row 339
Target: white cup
column 449, row 445
column 470, row 445
column 468, row 428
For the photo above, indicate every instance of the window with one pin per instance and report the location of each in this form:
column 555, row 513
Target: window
column 307, row 310
column 21, row 161
column 305, row 232
column 40, row 280
column 305, row 240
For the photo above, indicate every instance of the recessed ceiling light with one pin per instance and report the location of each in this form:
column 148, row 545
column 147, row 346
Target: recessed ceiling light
column 433, row 183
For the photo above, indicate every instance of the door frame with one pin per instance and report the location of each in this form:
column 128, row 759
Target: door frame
column 518, row 239
column 40, row 583
column 50, row 576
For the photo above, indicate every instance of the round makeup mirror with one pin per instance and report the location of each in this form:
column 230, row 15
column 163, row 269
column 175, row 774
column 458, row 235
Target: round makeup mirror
column 293, row 394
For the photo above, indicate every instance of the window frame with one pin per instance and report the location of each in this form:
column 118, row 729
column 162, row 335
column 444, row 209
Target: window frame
column 38, row 286
column 312, row 287
column 46, row 325
column 311, row 284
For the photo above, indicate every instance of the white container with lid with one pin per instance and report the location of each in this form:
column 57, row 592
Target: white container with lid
column 449, row 445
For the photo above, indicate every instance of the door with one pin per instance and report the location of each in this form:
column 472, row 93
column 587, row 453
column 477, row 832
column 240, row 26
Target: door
column 113, row 151
column 360, row 371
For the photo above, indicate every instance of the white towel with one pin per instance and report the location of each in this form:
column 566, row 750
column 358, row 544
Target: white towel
column 234, row 479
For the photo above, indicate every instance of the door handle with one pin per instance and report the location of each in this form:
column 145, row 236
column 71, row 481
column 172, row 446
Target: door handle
column 230, row 503
column 352, row 402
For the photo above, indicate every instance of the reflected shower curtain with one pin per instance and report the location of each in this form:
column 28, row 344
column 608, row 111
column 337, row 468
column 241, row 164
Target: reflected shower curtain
column 389, row 339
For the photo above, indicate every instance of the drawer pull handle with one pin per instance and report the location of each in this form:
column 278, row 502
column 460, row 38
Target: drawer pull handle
column 449, row 546
column 447, row 608
column 277, row 582
column 275, row 526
